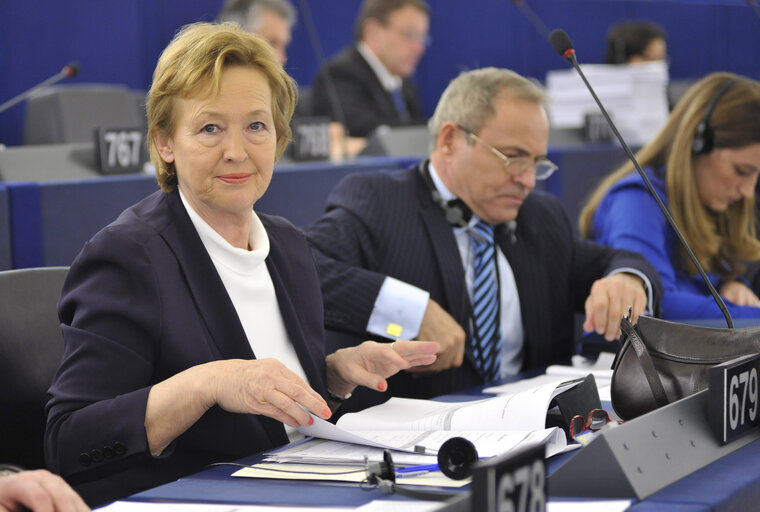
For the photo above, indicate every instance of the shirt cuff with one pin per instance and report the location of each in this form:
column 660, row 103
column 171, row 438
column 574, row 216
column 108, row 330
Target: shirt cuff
column 647, row 285
column 398, row 310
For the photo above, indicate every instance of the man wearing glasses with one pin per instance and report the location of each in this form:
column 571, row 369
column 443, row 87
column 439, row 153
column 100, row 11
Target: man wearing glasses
column 461, row 250
column 371, row 78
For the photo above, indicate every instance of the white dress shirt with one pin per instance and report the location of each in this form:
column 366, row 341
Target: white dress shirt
column 246, row 277
column 409, row 302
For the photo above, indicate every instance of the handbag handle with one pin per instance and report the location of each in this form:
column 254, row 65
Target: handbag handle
column 645, row 360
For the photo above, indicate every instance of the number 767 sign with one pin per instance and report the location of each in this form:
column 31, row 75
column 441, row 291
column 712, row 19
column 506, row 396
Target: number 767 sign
column 120, row 150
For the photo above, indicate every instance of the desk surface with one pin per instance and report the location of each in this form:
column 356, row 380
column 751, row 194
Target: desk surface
column 729, row 484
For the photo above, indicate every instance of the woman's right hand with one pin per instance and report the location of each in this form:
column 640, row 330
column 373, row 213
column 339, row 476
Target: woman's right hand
column 257, row 386
column 267, row 387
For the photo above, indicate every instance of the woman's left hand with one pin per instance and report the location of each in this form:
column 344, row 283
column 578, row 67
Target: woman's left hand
column 370, row 363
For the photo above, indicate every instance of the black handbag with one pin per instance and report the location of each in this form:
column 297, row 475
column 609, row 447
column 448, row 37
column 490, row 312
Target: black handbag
column 659, row 362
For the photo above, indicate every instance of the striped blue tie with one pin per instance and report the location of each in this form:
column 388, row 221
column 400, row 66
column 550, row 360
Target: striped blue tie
column 485, row 303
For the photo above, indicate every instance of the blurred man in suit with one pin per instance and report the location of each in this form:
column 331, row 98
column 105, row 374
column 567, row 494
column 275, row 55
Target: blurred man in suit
column 461, row 250
column 372, row 77
column 271, row 19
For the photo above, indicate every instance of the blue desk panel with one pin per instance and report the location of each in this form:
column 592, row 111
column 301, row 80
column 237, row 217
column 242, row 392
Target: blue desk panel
column 6, row 260
column 51, row 220
column 298, row 191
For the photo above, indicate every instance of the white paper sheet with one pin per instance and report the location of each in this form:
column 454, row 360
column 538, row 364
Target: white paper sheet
column 140, row 506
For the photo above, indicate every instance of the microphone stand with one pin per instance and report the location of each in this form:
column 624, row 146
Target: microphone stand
column 755, row 7
column 68, row 71
column 332, row 92
column 532, row 18
column 565, row 49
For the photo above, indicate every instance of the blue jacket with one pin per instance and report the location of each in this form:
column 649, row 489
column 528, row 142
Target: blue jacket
column 628, row 218
column 141, row 303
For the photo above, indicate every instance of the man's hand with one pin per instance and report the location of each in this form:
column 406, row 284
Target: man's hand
column 739, row 293
column 608, row 301
column 438, row 325
column 39, row 491
column 370, row 363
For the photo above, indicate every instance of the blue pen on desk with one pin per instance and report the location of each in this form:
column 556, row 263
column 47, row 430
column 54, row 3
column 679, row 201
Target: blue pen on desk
column 416, row 470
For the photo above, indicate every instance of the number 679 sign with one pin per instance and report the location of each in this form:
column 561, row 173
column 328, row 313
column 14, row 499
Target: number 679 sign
column 733, row 397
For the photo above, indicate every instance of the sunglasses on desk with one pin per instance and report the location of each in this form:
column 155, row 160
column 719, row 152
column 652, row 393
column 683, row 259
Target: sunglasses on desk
column 595, row 420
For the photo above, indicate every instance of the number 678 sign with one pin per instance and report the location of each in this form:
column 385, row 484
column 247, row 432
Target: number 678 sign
column 733, row 397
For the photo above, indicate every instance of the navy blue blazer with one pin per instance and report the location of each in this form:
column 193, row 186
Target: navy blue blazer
column 386, row 224
column 142, row 302
column 365, row 103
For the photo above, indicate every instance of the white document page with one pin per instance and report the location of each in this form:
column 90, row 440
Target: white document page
column 141, row 506
column 601, row 368
column 591, row 505
column 400, row 506
column 335, row 452
column 488, row 443
column 319, row 472
column 560, row 382
column 524, row 410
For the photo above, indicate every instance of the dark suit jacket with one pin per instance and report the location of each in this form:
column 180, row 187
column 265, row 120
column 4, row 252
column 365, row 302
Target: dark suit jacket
column 386, row 223
column 141, row 303
column 366, row 104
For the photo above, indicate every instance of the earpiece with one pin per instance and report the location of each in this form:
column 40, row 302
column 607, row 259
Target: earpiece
column 457, row 213
column 704, row 141
column 455, row 460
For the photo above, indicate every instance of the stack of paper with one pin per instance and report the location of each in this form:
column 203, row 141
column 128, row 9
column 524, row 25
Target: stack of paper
column 634, row 95
column 414, row 430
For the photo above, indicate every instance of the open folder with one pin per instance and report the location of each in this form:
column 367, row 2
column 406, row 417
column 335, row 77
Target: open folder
column 421, row 426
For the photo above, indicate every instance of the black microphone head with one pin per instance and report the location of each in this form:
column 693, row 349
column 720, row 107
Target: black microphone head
column 561, row 42
column 71, row 69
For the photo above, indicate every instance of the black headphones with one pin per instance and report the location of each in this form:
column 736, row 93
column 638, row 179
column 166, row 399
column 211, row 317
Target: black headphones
column 457, row 213
column 456, row 458
column 704, row 139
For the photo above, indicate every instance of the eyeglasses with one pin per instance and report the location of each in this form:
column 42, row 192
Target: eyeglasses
column 411, row 36
column 542, row 167
column 596, row 419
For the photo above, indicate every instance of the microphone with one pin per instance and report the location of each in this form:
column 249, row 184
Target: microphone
column 332, row 92
column 511, row 229
column 562, row 45
column 69, row 71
